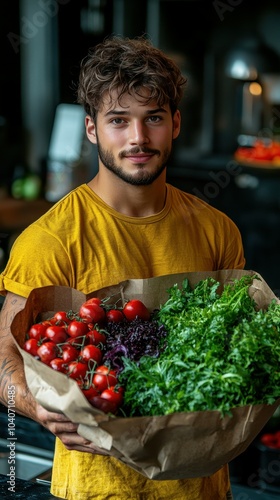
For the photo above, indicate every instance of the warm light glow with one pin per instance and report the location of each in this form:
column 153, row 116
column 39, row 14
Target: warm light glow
column 255, row 88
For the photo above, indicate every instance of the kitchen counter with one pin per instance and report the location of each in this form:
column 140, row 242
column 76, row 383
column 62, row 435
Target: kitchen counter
column 242, row 492
column 15, row 215
column 24, row 490
column 249, row 195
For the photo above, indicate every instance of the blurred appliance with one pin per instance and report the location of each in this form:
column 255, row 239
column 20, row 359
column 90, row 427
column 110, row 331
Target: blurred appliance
column 68, row 156
column 248, row 63
column 272, row 86
column 249, row 59
column 241, row 109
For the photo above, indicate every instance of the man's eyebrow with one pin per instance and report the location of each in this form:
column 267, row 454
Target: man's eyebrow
column 115, row 112
column 158, row 110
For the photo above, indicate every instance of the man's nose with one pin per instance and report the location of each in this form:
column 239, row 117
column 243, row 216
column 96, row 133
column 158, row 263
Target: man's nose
column 138, row 133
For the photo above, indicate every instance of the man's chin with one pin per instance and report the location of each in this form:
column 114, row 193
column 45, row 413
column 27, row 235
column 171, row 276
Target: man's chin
column 142, row 178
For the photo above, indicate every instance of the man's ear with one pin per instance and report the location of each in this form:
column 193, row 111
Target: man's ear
column 176, row 124
column 90, row 129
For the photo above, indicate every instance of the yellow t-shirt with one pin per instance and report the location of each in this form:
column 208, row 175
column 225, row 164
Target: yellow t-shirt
column 83, row 243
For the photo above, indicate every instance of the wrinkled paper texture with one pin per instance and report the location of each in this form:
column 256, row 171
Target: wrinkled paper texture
column 181, row 445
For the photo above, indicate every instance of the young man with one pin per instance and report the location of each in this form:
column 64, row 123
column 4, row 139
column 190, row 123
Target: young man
column 125, row 223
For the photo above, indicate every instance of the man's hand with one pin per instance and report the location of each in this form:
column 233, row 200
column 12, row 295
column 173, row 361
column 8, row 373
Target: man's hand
column 12, row 373
column 59, row 425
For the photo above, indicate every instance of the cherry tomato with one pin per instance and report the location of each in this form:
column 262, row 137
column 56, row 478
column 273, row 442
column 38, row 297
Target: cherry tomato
column 77, row 328
column 94, row 300
column 113, row 394
column 91, row 352
column 89, row 392
column 267, row 439
column 104, row 378
column 37, row 331
column 136, row 309
column 103, row 404
column 61, row 317
column 272, row 440
column 58, row 364
column 69, row 353
column 115, row 315
column 92, row 313
column 77, row 369
column 56, row 333
column 77, row 342
column 95, row 337
column 31, row 346
column 48, row 322
column 47, row 351
column 277, row 436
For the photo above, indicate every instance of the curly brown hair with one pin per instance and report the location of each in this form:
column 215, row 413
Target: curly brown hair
column 128, row 66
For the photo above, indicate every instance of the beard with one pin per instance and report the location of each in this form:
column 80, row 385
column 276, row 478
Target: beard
column 143, row 178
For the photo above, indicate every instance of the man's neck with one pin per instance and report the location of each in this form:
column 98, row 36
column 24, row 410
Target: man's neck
column 130, row 200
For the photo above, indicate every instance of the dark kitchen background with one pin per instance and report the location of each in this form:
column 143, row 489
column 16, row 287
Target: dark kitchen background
column 222, row 48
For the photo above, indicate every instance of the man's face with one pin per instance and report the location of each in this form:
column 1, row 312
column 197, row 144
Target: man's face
column 134, row 139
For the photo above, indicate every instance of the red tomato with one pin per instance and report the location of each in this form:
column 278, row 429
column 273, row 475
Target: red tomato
column 272, row 440
column 77, row 328
column 56, row 333
column 136, row 309
column 277, row 436
column 58, row 364
column 69, row 353
column 91, row 352
column 77, row 342
column 77, row 369
column 37, row 331
column 47, row 351
column 31, row 346
column 113, row 394
column 89, row 392
column 95, row 337
column 115, row 316
column 61, row 317
column 94, row 300
column 104, row 378
column 92, row 313
column 103, row 404
column 48, row 322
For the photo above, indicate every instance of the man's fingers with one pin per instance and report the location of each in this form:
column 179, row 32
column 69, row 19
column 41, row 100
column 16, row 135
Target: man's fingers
column 66, row 431
column 74, row 441
column 48, row 416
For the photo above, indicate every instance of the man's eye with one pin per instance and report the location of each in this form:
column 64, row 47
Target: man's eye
column 154, row 119
column 117, row 121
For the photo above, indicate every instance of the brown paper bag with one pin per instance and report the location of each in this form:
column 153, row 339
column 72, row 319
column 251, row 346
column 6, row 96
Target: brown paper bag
column 181, row 445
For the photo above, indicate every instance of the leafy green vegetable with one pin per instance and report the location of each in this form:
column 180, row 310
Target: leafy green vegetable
column 221, row 352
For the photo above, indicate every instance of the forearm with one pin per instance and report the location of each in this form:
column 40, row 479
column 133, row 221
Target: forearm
column 11, row 364
column 12, row 380
column 12, row 376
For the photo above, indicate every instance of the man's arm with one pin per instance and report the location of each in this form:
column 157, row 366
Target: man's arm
column 11, row 364
column 12, row 374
